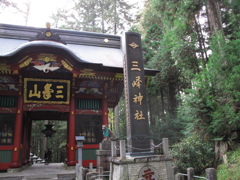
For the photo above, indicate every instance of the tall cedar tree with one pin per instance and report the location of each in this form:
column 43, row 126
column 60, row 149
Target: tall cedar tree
column 103, row 16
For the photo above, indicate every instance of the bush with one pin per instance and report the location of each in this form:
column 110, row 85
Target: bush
column 232, row 169
column 193, row 152
column 170, row 128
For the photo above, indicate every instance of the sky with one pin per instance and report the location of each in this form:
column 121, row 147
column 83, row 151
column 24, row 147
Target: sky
column 40, row 12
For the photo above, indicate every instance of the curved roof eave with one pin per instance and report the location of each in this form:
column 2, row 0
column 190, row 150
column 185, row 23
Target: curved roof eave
column 40, row 46
column 45, row 46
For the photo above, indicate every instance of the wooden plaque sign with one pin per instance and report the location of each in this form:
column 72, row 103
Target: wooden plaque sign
column 135, row 94
column 48, row 91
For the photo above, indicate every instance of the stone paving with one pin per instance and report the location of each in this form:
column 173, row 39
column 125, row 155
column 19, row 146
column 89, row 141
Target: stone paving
column 41, row 172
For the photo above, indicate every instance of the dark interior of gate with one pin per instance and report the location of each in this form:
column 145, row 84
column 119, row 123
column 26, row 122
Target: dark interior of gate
column 47, row 131
column 89, row 126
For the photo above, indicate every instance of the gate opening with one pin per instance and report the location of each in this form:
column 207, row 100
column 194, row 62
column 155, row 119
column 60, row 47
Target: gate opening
column 56, row 142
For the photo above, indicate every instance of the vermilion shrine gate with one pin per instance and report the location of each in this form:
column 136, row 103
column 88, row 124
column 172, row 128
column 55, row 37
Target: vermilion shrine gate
column 53, row 74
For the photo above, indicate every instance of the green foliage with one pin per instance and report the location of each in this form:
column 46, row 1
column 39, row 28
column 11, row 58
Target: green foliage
column 193, row 152
column 37, row 127
column 57, row 143
column 169, row 45
column 202, row 69
column 231, row 170
column 231, row 16
column 211, row 108
column 122, row 118
column 170, row 128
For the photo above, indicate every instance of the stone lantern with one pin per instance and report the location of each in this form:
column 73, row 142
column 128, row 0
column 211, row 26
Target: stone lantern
column 34, row 159
column 30, row 157
column 48, row 131
column 79, row 167
column 79, row 140
column 39, row 160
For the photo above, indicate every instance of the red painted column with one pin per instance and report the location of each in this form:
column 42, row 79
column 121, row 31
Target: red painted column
column 24, row 156
column 17, row 135
column 71, row 134
column 29, row 139
column 67, row 145
column 105, row 112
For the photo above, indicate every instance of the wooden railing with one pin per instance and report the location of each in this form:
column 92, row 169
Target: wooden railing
column 210, row 175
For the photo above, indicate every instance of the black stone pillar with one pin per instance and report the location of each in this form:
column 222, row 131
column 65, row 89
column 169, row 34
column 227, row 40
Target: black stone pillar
column 138, row 139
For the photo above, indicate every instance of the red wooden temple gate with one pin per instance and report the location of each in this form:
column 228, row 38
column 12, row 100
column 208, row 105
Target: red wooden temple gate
column 56, row 75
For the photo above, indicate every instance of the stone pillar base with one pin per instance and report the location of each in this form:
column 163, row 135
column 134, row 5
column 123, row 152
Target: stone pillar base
column 70, row 167
column 14, row 170
column 148, row 167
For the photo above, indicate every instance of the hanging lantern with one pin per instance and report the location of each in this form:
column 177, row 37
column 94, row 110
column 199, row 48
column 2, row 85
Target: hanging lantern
column 48, row 131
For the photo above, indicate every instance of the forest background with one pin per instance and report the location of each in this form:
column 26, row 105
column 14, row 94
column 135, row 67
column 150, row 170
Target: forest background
column 195, row 45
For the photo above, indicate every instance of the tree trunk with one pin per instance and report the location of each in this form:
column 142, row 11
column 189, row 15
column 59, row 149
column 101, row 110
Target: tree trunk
column 220, row 149
column 152, row 120
column 115, row 17
column 172, row 102
column 116, row 110
column 201, row 42
column 163, row 106
column 44, row 142
column 214, row 16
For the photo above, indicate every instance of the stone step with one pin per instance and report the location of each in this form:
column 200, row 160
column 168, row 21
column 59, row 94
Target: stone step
column 41, row 177
column 11, row 178
column 52, row 171
column 66, row 176
column 51, row 177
